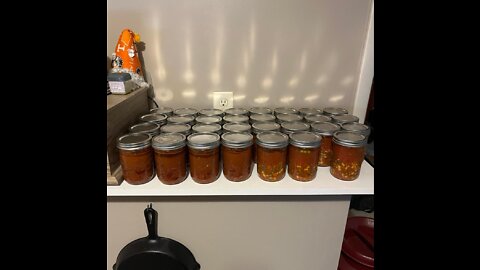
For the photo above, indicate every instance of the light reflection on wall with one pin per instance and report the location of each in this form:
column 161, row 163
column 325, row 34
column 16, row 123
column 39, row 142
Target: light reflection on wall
column 239, row 97
column 261, row 100
column 336, row 98
column 287, row 99
column 189, row 93
column 163, row 94
column 311, row 98
column 347, row 81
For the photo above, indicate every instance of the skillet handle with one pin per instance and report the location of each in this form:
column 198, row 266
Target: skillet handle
column 151, row 219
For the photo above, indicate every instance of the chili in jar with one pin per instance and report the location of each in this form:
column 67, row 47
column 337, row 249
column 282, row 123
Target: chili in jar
column 271, row 155
column 176, row 128
column 344, row 118
column 284, row 110
column 211, row 112
column 162, row 110
column 170, row 157
column 236, row 127
column 203, row 128
column 309, row 111
column 159, row 119
column 261, row 127
column 288, row 118
column 236, row 111
column 330, row 111
column 260, row 110
column 348, row 155
column 204, row 157
column 202, row 119
column 187, row 119
column 317, row 118
column 326, row 131
column 150, row 128
column 237, row 156
column 136, row 158
column 357, row 128
column 254, row 118
column 303, row 155
column 186, row 112
column 235, row 119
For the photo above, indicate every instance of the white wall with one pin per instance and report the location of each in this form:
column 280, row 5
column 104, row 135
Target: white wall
column 268, row 52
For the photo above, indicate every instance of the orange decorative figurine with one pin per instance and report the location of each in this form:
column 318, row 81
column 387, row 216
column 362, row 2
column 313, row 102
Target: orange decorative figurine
column 125, row 56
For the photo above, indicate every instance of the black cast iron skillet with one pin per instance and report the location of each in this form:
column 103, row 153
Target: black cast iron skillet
column 154, row 252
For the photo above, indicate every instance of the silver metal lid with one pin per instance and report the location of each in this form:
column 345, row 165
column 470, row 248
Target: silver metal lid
column 237, row 140
column 211, row 112
column 236, row 118
column 325, row 128
column 357, row 127
column 169, row 141
column 344, row 118
column 237, row 127
column 147, row 127
column 305, row 139
column 349, row 139
column 262, row 118
column 208, row 119
column 260, row 110
column 176, row 128
column 134, row 141
column 272, row 139
column 207, row 128
column 289, row 118
column 329, row 111
column 203, row 141
column 265, row 126
column 284, row 110
column 310, row 111
column 185, row 111
column 162, row 110
column 290, row 127
column 317, row 118
column 236, row 111
column 154, row 117
column 181, row 119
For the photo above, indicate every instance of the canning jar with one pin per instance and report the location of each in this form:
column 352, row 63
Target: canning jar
column 260, row 110
column 170, row 157
column 176, row 128
column 330, row 111
column 236, row 127
column 236, row 111
column 204, row 128
column 159, row 119
column 326, row 131
column 303, row 155
column 284, row 110
column 187, row 119
column 211, row 112
column 148, row 127
column 162, row 110
column 237, row 156
column 204, row 157
column 348, row 155
column 317, row 118
column 136, row 158
column 271, row 155
column 259, row 127
column 344, row 118
column 202, row 119
column 284, row 118
column 291, row 127
column 357, row 128
column 255, row 118
column 186, row 112
column 309, row 111
column 235, row 119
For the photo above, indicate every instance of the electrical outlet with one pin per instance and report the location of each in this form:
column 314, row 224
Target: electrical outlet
column 222, row 100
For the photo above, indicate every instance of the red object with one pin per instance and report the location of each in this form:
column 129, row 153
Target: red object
column 358, row 247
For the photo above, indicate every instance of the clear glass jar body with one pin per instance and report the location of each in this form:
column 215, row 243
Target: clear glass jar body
column 346, row 161
column 171, row 165
column 271, row 163
column 204, row 164
column 237, row 163
column 302, row 163
column 137, row 165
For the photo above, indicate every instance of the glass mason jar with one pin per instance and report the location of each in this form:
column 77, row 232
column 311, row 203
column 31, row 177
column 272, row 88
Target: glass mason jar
column 236, row 111
column 186, row 112
column 237, row 156
column 159, row 119
column 162, row 110
column 170, row 157
column 204, row 128
column 211, row 112
column 348, row 155
column 326, row 131
column 148, row 127
column 284, row 118
column 330, row 111
column 317, row 118
column 187, row 119
column 259, row 127
column 237, row 127
column 202, row 119
column 344, row 118
column 204, row 157
column 303, row 155
column 309, row 111
column 260, row 110
column 235, row 119
column 292, row 127
column 357, row 128
column 184, row 129
column 136, row 158
column 284, row 110
column 257, row 118
column 271, row 155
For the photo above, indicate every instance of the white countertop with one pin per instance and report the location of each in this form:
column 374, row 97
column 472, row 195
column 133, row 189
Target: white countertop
column 323, row 184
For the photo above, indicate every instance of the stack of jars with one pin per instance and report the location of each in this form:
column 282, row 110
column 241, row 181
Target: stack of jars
column 174, row 143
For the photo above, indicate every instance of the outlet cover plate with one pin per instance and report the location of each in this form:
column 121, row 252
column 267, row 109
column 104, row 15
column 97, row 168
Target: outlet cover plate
column 222, row 100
